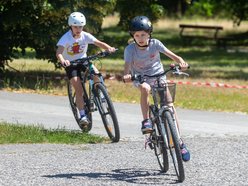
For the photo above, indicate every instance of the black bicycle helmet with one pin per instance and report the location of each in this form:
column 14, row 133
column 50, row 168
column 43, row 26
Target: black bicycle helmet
column 140, row 23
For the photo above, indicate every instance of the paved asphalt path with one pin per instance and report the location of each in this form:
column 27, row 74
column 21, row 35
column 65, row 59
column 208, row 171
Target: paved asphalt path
column 217, row 142
column 54, row 112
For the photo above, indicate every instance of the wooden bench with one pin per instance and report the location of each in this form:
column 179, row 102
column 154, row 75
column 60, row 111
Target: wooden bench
column 190, row 32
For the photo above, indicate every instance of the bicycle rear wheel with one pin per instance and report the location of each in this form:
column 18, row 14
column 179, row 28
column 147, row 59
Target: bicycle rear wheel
column 174, row 145
column 159, row 143
column 75, row 111
column 107, row 112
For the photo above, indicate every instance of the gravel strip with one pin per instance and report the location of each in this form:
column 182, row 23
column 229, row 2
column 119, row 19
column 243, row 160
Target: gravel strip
column 215, row 161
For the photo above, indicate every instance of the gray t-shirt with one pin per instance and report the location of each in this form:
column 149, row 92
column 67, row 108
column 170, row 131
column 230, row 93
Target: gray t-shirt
column 147, row 61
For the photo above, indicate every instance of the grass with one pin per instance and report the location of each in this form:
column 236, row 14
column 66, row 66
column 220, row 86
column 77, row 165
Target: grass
column 190, row 97
column 12, row 133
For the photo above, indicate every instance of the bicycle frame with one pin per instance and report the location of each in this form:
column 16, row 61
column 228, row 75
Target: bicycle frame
column 95, row 98
column 165, row 135
column 160, row 111
column 91, row 78
column 170, row 139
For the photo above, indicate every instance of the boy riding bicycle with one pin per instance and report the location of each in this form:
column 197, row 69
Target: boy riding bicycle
column 142, row 57
column 73, row 45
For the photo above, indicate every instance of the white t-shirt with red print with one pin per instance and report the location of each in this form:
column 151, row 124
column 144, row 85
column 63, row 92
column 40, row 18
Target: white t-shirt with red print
column 75, row 48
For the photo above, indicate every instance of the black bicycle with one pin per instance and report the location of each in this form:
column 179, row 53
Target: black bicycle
column 95, row 97
column 165, row 135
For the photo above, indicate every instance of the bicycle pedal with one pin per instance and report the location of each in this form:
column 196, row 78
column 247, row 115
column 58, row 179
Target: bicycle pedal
column 146, row 132
column 150, row 145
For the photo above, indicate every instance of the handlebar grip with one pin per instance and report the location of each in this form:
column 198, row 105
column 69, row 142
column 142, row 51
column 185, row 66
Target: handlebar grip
column 172, row 66
column 106, row 53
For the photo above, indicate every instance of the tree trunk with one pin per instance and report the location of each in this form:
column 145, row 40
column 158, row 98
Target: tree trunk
column 1, row 69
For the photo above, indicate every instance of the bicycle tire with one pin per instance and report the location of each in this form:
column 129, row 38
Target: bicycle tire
column 159, row 145
column 75, row 111
column 174, row 145
column 106, row 108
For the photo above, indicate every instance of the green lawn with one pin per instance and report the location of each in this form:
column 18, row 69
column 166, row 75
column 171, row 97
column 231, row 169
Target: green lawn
column 10, row 133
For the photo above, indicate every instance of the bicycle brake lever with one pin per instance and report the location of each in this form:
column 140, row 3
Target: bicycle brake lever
column 183, row 73
column 106, row 53
column 180, row 73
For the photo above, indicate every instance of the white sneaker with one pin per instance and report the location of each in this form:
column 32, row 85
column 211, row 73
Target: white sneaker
column 84, row 121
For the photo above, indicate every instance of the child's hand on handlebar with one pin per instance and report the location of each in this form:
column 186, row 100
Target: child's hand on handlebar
column 111, row 49
column 65, row 63
column 183, row 65
column 127, row 78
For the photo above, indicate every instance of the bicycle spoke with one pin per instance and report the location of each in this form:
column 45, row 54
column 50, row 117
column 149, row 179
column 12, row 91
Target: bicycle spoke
column 107, row 112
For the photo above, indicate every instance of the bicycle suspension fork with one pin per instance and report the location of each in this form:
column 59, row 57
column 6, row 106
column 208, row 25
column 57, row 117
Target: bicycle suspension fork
column 172, row 110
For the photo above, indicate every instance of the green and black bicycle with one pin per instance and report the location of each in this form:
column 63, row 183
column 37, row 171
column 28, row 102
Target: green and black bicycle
column 95, row 97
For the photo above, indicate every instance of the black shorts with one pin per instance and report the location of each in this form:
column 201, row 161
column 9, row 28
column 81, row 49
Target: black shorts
column 74, row 71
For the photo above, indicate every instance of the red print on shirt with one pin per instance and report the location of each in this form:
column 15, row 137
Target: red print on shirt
column 75, row 48
column 152, row 55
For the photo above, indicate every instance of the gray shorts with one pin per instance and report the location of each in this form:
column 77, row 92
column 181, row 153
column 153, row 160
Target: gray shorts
column 163, row 96
column 152, row 81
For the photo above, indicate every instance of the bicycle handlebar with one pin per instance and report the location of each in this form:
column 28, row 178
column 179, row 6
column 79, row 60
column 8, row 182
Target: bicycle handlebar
column 175, row 69
column 86, row 60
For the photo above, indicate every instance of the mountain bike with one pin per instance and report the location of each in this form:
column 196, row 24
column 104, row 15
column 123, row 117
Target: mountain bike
column 165, row 136
column 95, row 97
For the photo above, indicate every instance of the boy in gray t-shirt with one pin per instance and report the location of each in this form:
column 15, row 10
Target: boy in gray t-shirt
column 142, row 57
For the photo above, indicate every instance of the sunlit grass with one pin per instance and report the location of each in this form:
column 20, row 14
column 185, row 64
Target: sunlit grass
column 210, row 98
column 34, row 65
column 189, row 96
column 228, row 25
column 13, row 133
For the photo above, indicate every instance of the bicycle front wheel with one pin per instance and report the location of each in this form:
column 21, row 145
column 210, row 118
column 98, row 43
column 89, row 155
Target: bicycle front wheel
column 174, row 145
column 75, row 111
column 107, row 112
column 158, row 142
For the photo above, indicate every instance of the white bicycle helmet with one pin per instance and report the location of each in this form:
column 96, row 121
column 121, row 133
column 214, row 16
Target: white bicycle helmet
column 76, row 19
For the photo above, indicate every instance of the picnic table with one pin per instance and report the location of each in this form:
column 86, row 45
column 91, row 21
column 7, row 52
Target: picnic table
column 190, row 32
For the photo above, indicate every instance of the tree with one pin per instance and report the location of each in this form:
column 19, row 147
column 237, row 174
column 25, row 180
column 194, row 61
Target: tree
column 236, row 10
column 129, row 9
column 175, row 8
column 39, row 24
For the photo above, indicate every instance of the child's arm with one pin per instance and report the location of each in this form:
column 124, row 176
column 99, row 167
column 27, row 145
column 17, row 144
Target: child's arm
column 60, row 57
column 177, row 59
column 127, row 76
column 104, row 46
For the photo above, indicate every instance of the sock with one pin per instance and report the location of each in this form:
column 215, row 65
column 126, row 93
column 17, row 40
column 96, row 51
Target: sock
column 82, row 112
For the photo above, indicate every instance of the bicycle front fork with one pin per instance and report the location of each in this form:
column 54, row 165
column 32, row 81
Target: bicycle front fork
column 174, row 117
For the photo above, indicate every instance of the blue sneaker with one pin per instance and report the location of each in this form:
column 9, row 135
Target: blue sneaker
column 185, row 152
column 146, row 126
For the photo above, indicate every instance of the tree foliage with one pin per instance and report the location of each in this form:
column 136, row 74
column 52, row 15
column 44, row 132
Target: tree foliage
column 39, row 24
column 130, row 9
column 236, row 10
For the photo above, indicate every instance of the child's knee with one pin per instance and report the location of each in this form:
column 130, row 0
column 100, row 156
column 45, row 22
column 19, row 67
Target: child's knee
column 145, row 88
